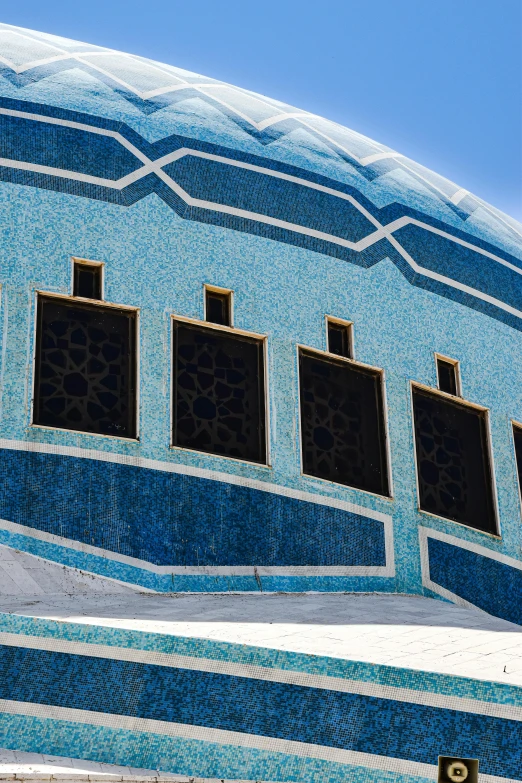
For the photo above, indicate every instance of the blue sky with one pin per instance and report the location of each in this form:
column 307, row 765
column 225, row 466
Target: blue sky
column 438, row 80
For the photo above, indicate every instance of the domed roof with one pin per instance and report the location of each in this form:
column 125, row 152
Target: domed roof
column 117, row 127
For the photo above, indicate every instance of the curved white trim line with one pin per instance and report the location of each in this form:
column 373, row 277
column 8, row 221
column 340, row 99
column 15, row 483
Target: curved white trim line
column 387, row 570
column 426, row 532
column 230, row 738
column 202, row 86
column 252, row 672
column 157, row 168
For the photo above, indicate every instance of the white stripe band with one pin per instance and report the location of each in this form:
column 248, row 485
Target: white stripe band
column 201, row 86
column 250, row 671
column 156, row 167
column 254, row 571
column 387, row 570
column 230, row 738
column 425, row 533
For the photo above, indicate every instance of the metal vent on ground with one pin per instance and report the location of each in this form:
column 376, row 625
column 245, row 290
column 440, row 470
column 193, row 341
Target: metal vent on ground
column 455, row 770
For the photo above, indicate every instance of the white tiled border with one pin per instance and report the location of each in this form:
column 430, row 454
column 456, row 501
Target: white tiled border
column 157, row 167
column 250, row 671
column 170, row 467
column 425, row 533
column 231, row 738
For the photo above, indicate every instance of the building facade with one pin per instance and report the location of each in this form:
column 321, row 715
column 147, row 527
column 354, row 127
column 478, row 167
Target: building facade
column 244, row 348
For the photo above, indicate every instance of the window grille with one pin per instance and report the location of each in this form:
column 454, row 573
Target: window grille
column 453, row 461
column 342, row 423
column 85, row 368
column 219, row 392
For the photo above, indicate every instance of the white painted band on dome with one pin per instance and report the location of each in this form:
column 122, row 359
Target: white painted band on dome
column 431, row 185
column 150, row 166
column 83, row 57
column 301, row 116
column 459, row 195
column 407, row 221
column 452, row 283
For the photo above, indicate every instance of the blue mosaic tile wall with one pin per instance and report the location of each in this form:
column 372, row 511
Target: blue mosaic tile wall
column 252, row 706
column 203, row 183
column 263, row 203
column 178, row 520
column 493, row 586
column 227, row 762
column 174, row 180
column 234, row 711
column 449, row 685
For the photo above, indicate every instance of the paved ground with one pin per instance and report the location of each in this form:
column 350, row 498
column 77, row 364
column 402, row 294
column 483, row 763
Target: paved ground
column 36, row 767
column 405, row 631
column 15, row 761
column 23, row 574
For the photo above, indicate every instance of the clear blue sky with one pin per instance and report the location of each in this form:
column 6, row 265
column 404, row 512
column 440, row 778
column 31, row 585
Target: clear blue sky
column 438, row 80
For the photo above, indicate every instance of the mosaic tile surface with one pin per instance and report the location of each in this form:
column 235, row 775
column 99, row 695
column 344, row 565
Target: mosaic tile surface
column 147, row 167
column 201, row 706
column 175, row 181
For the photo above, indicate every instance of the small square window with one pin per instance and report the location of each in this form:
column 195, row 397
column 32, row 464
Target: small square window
column 448, row 376
column 218, row 307
column 87, row 280
column 340, row 339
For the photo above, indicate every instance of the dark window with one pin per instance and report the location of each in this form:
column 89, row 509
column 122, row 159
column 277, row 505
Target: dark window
column 219, row 393
column 453, row 464
column 342, row 423
column 339, row 339
column 85, row 368
column 517, row 434
column 87, row 281
column 447, row 374
column 218, row 307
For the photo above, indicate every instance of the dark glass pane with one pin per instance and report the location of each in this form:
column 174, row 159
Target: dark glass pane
column 87, row 281
column 339, row 340
column 219, row 393
column 453, row 465
column 85, row 368
column 342, row 423
column 218, row 308
column 517, row 434
column 447, row 376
